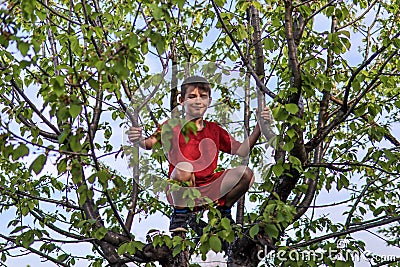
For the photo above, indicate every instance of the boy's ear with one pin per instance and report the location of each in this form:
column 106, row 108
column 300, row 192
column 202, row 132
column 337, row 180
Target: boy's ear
column 181, row 100
column 209, row 100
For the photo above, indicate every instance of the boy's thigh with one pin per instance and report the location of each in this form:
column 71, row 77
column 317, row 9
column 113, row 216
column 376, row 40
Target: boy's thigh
column 183, row 172
column 221, row 183
column 231, row 178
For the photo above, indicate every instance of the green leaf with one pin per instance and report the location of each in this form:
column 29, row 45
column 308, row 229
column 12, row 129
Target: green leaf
column 23, row 47
column 100, row 233
column 396, row 42
column 271, row 230
column 27, row 239
column 241, row 31
column 339, row 263
column 215, row 243
column 288, row 146
column 254, row 230
column 158, row 12
column 75, row 143
column 220, row 3
column 144, row 48
column 269, row 44
column 38, row 164
column 123, row 248
column 64, row 134
column 76, row 172
column 225, row 223
column 292, row 108
column 83, row 194
column 103, row 177
column 20, row 151
column 28, row 7
column 278, row 169
column 280, row 114
column 180, row 3
column 176, row 250
column 75, row 110
column 62, row 257
column 58, row 85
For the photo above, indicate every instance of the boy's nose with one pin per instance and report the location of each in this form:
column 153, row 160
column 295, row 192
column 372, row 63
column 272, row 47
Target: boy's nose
column 197, row 99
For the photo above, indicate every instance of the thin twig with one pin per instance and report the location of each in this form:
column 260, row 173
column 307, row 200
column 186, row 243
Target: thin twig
column 44, row 255
column 347, row 231
column 33, row 106
column 358, row 18
column 25, row 194
column 57, row 14
column 259, row 83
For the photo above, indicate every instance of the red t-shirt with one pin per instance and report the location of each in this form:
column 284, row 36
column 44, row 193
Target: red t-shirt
column 200, row 149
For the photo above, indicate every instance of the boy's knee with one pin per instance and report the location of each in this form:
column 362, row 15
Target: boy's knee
column 183, row 172
column 247, row 175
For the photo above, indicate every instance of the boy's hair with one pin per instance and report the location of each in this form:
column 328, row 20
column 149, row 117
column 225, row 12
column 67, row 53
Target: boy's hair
column 196, row 81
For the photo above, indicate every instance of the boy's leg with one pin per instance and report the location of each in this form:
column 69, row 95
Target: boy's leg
column 235, row 184
column 183, row 172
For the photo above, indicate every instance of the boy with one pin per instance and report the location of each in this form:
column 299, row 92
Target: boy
column 193, row 156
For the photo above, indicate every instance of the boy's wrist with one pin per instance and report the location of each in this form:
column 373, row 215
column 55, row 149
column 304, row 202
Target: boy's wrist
column 140, row 141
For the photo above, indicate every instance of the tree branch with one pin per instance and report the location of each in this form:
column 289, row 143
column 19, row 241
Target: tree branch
column 358, row 200
column 347, row 231
column 292, row 47
column 57, row 14
column 319, row 152
column 34, row 108
column 371, row 84
column 115, row 211
column 53, row 201
column 360, row 68
column 358, row 18
column 38, row 215
column 345, row 111
column 392, row 139
column 315, row 13
column 53, row 46
column 259, row 83
column 42, row 146
column 30, row 124
column 35, row 251
column 94, row 124
column 357, row 164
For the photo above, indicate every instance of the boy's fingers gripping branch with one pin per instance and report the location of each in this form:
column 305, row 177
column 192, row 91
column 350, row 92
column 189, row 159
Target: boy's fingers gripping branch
column 266, row 115
column 135, row 134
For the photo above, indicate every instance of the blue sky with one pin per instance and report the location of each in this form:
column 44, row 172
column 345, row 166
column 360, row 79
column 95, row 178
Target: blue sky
column 142, row 225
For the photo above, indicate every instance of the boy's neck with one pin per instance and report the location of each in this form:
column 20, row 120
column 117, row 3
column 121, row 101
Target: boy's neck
column 198, row 121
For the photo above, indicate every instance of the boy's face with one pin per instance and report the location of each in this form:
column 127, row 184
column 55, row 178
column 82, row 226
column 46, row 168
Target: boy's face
column 195, row 102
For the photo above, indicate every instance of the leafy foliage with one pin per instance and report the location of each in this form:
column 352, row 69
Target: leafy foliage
column 73, row 74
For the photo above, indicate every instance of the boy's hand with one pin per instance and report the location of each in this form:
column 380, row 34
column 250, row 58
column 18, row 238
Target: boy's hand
column 135, row 134
column 266, row 115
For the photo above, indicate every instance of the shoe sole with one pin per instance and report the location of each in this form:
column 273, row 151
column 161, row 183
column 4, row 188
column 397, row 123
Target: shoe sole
column 179, row 229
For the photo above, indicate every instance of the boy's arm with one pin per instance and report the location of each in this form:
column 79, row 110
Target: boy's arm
column 148, row 143
column 251, row 140
column 248, row 144
column 135, row 135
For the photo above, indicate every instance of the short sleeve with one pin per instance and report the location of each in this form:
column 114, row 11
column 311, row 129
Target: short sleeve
column 157, row 133
column 227, row 143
